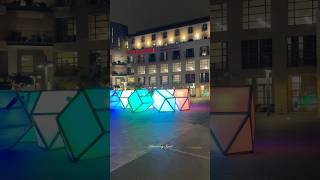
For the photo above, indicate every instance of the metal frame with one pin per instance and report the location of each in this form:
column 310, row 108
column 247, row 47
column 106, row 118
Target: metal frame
column 27, row 113
column 103, row 132
column 248, row 117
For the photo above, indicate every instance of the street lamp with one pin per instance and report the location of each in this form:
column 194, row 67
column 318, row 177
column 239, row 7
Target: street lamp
column 45, row 66
column 268, row 72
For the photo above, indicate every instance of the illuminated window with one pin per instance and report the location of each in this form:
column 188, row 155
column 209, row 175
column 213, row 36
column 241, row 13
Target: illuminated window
column 176, row 67
column 302, row 11
column 131, row 80
column 67, row 60
column 164, row 80
column 141, row 70
column 152, row 69
column 190, row 66
column 152, row 80
column 176, row 78
column 219, row 17
column 204, row 64
column 27, row 65
column 98, row 27
column 164, row 68
column 256, row 14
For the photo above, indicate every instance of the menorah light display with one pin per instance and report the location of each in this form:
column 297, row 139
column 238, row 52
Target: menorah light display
column 163, row 100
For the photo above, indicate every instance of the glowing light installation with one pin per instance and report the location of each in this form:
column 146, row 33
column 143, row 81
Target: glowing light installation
column 182, row 99
column 84, row 125
column 232, row 121
column 164, row 101
column 15, row 120
column 115, row 102
column 124, row 98
column 48, row 106
column 29, row 98
column 140, row 100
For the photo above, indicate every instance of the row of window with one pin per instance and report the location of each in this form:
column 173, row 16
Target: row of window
column 176, row 55
column 176, row 79
column 176, row 33
column 301, row 51
column 176, row 67
column 257, row 14
column 66, row 28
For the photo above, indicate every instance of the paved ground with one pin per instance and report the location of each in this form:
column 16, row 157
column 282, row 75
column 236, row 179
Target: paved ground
column 134, row 137
column 287, row 148
column 29, row 162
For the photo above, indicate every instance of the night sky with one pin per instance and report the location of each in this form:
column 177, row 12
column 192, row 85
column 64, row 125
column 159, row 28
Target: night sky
column 144, row 14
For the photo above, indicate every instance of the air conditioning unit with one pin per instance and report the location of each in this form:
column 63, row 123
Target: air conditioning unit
column 3, row 10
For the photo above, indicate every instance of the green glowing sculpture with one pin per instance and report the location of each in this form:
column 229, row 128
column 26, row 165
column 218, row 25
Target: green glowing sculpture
column 140, row 100
column 84, row 125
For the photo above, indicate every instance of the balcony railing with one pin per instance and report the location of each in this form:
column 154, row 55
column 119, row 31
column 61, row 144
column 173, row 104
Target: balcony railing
column 27, row 6
column 36, row 38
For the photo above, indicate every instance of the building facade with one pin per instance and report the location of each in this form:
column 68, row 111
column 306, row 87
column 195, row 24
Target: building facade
column 172, row 56
column 252, row 38
column 62, row 43
column 118, row 48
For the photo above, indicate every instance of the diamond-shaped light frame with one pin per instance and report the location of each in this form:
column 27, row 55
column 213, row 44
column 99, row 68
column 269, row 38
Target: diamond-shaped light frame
column 140, row 100
column 84, row 125
column 182, row 99
column 48, row 106
column 124, row 98
column 164, row 101
column 232, row 121
column 15, row 121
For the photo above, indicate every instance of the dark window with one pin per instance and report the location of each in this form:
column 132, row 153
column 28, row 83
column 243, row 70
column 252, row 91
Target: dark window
column 190, row 30
column 204, row 51
column 140, row 58
column 204, row 77
column 176, row 55
column 142, row 39
column 177, row 32
column 302, row 50
column 257, row 53
column 153, row 37
column 132, row 40
column 204, row 27
column 165, row 35
column 219, row 58
column 142, row 80
column 190, row 78
column 152, row 58
column 164, row 56
column 190, row 53
column 66, row 29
